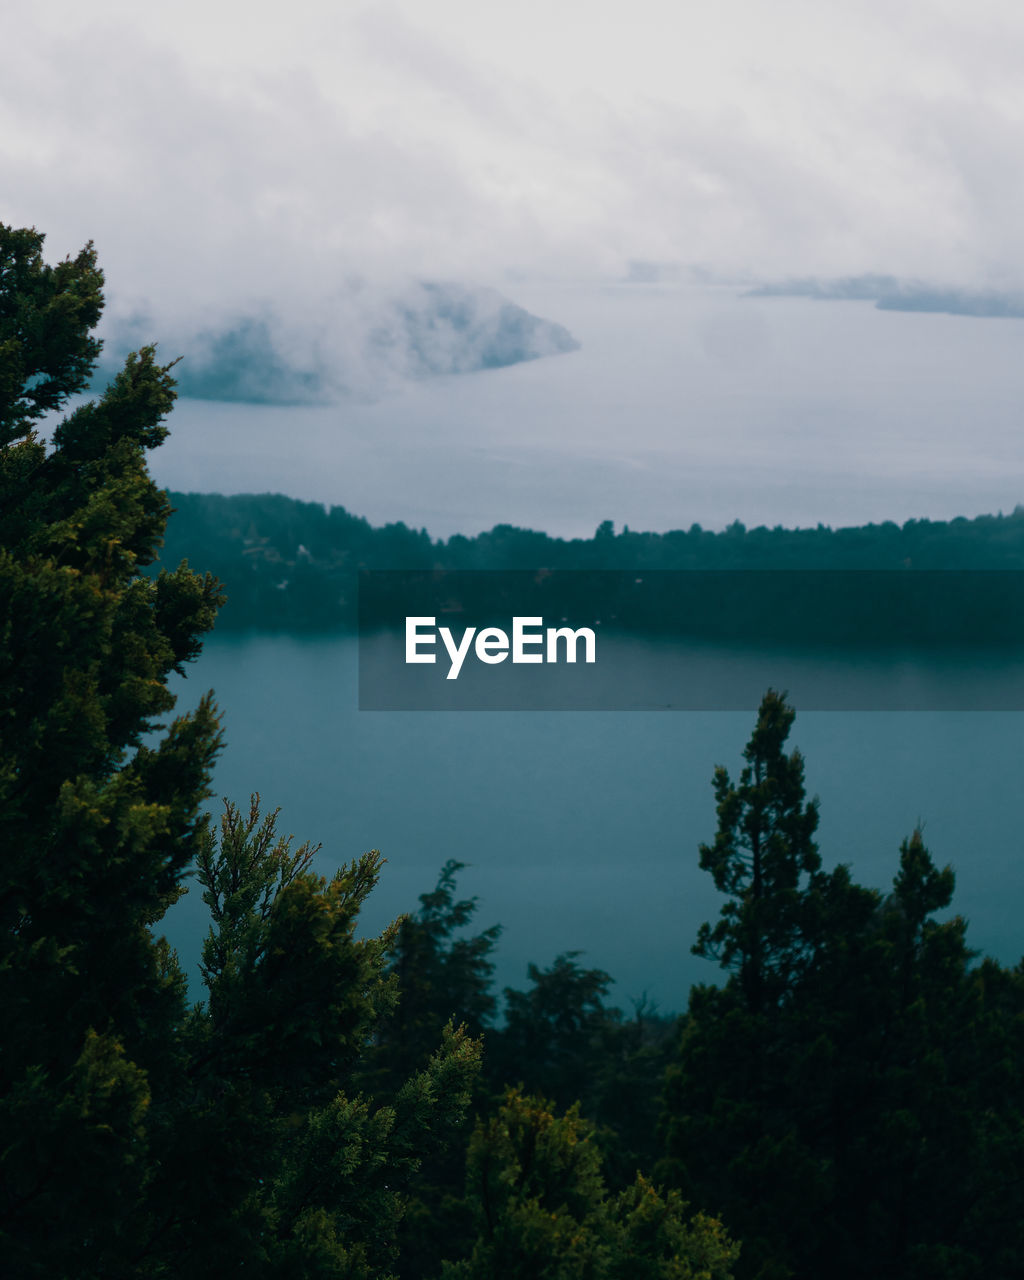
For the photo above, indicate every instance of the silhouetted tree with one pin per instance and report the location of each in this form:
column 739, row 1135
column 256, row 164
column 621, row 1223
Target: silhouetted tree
column 841, row 1099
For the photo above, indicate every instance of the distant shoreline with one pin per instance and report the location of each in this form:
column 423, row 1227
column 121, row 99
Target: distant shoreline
column 292, row 565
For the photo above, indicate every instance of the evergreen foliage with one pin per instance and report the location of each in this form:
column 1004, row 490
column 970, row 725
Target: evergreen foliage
column 553, row 1032
column 563, row 1041
column 558, row 1035
column 762, row 857
column 96, row 827
column 543, row 1212
column 275, row 1061
column 843, row 1099
column 141, row 1136
column 442, row 974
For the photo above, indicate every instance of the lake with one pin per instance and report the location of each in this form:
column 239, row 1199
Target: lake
column 681, row 406
column 684, row 404
column 581, row 828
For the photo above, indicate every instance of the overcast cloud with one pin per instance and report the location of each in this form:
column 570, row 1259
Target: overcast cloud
column 222, row 155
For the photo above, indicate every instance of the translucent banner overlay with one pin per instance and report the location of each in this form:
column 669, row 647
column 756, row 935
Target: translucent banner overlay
column 628, row 640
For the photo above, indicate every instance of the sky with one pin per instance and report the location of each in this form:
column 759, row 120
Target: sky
column 222, row 154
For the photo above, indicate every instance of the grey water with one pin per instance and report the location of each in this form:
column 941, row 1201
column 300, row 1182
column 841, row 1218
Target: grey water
column 684, row 404
column 581, row 829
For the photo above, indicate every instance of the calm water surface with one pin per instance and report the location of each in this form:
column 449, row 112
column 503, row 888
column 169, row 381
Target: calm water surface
column 581, row 828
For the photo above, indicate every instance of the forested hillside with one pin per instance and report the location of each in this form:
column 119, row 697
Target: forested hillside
column 287, row 564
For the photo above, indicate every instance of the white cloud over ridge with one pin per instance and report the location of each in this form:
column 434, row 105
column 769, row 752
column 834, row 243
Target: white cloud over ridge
column 225, row 157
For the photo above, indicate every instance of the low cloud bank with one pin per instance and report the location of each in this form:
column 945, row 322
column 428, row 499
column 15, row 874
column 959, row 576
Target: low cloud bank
column 362, row 343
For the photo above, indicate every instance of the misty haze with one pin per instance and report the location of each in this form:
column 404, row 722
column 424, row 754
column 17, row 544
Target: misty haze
column 685, row 403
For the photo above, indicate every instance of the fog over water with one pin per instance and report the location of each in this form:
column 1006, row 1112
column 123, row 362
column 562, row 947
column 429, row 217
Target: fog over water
column 685, row 403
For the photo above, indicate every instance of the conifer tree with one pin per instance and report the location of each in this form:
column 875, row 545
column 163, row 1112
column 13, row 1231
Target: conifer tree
column 96, row 827
column 842, row 1100
column 442, row 973
column 141, row 1136
column 543, row 1212
column 763, row 857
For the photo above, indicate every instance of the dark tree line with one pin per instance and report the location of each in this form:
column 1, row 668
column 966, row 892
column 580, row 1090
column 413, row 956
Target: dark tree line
column 295, row 565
